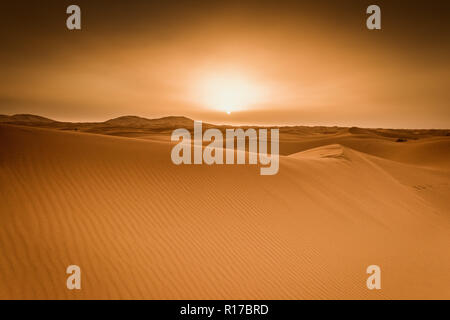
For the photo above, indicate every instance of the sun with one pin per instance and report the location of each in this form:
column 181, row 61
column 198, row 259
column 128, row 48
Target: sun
column 228, row 93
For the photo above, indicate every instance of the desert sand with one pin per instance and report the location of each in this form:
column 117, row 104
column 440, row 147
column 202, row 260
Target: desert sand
column 141, row 227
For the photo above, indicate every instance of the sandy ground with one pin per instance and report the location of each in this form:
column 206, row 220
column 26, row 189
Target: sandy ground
column 141, row 227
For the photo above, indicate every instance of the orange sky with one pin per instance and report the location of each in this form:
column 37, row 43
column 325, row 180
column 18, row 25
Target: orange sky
column 286, row 62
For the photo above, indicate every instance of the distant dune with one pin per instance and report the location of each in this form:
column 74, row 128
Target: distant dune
column 133, row 126
column 118, row 126
column 141, row 227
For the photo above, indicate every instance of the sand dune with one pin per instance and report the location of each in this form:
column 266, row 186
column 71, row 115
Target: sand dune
column 141, row 227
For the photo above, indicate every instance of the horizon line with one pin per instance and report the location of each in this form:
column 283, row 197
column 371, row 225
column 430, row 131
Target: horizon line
column 222, row 124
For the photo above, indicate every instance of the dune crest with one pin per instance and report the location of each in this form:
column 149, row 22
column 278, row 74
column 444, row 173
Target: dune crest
column 336, row 151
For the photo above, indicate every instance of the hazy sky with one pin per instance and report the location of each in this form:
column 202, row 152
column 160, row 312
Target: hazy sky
column 268, row 62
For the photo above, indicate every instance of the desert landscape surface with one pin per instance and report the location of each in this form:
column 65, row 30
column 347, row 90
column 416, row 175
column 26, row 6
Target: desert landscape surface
column 107, row 197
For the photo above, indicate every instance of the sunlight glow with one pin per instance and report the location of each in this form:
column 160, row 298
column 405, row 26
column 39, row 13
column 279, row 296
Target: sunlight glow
column 229, row 93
